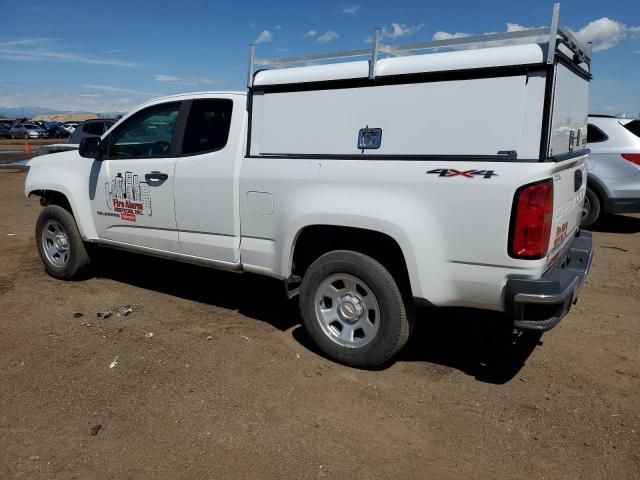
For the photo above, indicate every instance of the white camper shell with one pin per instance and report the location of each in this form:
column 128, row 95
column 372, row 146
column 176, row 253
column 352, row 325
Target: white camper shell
column 521, row 95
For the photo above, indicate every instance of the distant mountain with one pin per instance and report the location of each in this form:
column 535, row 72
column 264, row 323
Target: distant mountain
column 30, row 112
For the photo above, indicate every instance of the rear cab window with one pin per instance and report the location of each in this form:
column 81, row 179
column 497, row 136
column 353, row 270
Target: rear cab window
column 207, row 128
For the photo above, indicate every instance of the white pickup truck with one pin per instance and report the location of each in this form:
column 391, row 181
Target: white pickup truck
column 454, row 178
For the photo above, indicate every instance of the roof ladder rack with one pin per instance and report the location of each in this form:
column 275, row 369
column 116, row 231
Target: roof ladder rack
column 556, row 35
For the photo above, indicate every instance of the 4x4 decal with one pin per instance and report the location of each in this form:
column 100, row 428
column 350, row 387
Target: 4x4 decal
column 452, row 172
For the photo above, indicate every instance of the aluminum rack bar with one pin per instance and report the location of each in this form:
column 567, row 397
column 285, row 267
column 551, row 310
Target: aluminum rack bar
column 553, row 35
column 476, row 40
column 279, row 62
column 583, row 51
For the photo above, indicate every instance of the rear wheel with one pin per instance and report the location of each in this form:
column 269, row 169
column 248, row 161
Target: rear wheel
column 60, row 245
column 590, row 209
column 353, row 309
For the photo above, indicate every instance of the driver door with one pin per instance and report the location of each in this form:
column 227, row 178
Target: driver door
column 132, row 186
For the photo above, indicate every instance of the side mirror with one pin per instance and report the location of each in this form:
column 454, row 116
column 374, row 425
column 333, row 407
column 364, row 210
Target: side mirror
column 90, row 148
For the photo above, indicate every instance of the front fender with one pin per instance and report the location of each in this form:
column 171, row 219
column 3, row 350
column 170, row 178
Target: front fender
column 68, row 174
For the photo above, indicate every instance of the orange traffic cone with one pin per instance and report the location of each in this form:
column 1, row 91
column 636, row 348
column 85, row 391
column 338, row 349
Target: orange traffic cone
column 27, row 148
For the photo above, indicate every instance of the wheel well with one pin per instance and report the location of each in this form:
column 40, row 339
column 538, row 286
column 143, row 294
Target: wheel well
column 51, row 197
column 597, row 189
column 316, row 240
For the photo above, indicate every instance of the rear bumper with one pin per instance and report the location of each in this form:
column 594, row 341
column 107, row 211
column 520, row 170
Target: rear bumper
column 540, row 304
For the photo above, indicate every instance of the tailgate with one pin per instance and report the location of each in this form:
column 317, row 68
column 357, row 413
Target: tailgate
column 569, row 187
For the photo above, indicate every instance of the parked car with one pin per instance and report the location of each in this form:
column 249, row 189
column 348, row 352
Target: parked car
column 4, row 132
column 28, row 130
column 361, row 225
column 91, row 128
column 55, row 130
column 69, row 126
column 613, row 184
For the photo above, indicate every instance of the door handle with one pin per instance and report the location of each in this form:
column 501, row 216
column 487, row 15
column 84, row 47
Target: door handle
column 155, row 176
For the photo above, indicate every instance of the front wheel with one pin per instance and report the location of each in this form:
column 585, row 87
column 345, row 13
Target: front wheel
column 590, row 209
column 60, row 245
column 353, row 309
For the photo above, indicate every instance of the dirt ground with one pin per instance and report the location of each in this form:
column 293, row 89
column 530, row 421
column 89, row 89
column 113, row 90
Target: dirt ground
column 228, row 386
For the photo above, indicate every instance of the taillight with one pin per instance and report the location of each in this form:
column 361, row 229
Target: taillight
column 531, row 220
column 632, row 157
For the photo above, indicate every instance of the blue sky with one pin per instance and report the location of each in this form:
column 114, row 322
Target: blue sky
column 113, row 55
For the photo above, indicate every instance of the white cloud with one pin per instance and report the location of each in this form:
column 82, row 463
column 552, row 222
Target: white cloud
column 448, row 36
column 265, row 36
column 109, row 88
column 44, row 50
column 401, row 30
column 173, row 80
column 605, row 33
column 397, row 30
column 251, row 25
column 311, row 33
column 159, row 77
column 515, row 27
column 327, row 37
column 352, row 10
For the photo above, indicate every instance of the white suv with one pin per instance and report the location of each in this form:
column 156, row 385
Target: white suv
column 614, row 167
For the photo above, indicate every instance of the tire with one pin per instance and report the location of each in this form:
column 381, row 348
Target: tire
column 26, row 136
column 591, row 209
column 13, row 136
column 353, row 310
column 60, row 245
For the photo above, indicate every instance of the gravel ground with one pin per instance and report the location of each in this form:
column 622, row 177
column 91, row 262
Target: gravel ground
column 228, row 386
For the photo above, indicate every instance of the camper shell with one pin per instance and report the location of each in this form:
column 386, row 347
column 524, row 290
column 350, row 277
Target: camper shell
column 501, row 97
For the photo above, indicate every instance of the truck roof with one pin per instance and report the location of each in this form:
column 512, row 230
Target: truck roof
column 187, row 95
column 526, row 54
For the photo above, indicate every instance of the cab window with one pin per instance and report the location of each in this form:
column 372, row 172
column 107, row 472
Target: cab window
column 207, row 128
column 148, row 133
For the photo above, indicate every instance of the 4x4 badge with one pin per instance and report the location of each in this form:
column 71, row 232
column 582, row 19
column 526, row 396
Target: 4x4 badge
column 452, row 172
